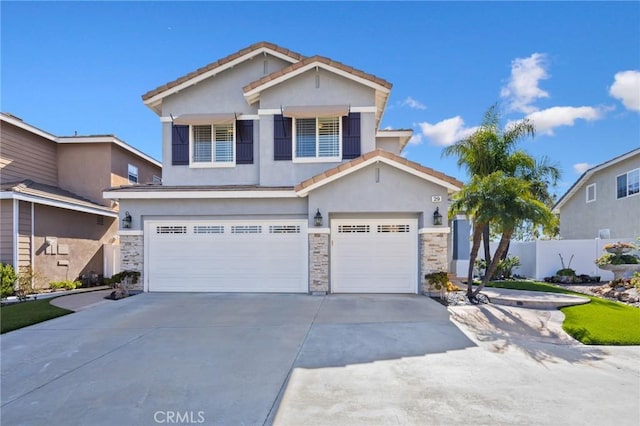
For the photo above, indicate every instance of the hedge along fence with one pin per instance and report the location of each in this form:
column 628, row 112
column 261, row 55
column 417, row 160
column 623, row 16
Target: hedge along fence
column 539, row 259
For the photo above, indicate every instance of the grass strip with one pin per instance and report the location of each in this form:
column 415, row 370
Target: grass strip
column 600, row 322
column 23, row 314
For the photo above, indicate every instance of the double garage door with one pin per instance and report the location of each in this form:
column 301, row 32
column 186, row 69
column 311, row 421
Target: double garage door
column 366, row 256
column 228, row 256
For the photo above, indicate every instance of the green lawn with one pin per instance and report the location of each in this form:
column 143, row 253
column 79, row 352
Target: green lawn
column 18, row 315
column 600, row 322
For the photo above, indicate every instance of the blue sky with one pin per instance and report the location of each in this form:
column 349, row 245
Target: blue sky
column 573, row 68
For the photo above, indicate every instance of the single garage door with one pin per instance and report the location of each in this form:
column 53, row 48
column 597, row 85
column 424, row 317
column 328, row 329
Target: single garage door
column 374, row 256
column 228, row 256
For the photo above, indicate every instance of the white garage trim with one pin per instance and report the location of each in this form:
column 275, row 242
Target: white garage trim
column 374, row 256
column 226, row 256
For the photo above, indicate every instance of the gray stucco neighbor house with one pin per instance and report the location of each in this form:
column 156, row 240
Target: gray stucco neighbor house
column 604, row 202
column 277, row 178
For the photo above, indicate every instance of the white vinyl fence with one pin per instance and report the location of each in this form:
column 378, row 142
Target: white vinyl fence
column 540, row 259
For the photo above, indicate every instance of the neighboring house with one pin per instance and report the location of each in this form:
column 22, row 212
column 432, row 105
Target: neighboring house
column 53, row 218
column 604, row 202
column 277, row 178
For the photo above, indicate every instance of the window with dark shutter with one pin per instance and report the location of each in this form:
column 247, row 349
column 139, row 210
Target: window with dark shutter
column 351, row 136
column 244, row 142
column 180, row 145
column 282, row 137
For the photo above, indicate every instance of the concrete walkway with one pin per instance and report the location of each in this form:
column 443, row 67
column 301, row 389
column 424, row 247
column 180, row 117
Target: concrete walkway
column 532, row 299
column 83, row 300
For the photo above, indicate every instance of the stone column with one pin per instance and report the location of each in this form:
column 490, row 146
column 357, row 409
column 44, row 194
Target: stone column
column 433, row 255
column 132, row 257
column 318, row 263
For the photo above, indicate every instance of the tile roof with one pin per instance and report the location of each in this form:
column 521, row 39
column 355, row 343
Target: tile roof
column 373, row 154
column 188, row 188
column 220, row 62
column 54, row 193
column 311, row 60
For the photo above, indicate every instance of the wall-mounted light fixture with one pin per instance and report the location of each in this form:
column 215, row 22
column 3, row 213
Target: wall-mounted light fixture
column 126, row 220
column 437, row 217
column 317, row 219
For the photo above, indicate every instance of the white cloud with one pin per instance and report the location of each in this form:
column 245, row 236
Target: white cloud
column 522, row 89
column 416, row 139
column 580, row 168
column 412, row 103
column 548, row 119
column 626, row 88
column 446, row 132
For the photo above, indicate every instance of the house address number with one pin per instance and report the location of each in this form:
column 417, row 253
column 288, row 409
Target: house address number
column 436, row 198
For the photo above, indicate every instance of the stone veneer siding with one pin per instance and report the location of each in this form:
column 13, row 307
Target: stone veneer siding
column 433, row 255
column 132, row 257
column 318, row 263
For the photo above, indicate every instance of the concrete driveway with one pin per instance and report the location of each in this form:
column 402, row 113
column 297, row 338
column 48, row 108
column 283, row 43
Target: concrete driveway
column 301, row 360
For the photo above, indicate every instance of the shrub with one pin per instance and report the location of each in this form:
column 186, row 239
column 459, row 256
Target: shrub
column 616, row 259
column 67, row 285
column 566, row 272
column 122, row 276
column 9, row 277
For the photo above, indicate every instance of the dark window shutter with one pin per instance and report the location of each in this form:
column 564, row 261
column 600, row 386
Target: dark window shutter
column 351, row 136
column 282, row 137
column 180, row 145
column 244, row 142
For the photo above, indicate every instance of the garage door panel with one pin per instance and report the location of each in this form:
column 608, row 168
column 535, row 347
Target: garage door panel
column 248, row 256
column 374, row 256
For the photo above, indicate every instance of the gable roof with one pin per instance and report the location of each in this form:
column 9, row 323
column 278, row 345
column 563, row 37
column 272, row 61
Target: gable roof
column 382, row 87
column 39, row 193
column 153, row 97
column 586, row 175
column 16, row 121
column 379, row 155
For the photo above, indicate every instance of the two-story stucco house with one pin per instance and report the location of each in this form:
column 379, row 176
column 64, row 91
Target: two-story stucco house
column 53, row 218
column 604, row 202
column 277, row 178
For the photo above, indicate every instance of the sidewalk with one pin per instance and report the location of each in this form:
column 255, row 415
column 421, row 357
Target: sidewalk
column 82, row 300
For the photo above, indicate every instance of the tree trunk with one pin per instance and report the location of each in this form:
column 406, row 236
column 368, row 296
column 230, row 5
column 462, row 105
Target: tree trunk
column 475, row 247
column 491, row 268
column 486, row 239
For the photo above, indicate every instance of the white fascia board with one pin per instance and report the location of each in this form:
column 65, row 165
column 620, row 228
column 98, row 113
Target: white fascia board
column 108, row 139
column 6, row 195
column 277, row 111
column 29, row 128
column 372, row 108
column 240, row 117
column 153, row 101
column 305, row 191
column 253, row 94
column 394, row 133
column 163, row 195
column 269, row 111
column 443, row 230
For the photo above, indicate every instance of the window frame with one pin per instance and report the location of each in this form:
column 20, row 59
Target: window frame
column 130, row 173
column 316, row 158
column 626, row 174
column 593, row 185
column 213, row 163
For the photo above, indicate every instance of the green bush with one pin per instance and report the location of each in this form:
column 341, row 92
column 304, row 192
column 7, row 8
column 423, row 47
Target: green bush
column 67, row 285
column 121, row 276
column 9, row 277
column 617, row 259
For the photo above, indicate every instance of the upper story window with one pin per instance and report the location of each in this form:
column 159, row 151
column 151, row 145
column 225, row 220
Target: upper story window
column 213, row 145
column 628, row 184
column 591, row 193
column 317, row 139
column 132, row 172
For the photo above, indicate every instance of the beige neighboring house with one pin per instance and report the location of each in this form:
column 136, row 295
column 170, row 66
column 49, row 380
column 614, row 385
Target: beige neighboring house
column 604, row 202
column 53, row 217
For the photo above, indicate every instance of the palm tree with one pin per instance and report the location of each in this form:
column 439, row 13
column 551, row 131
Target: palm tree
column 489, row 149
column 507, row 186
